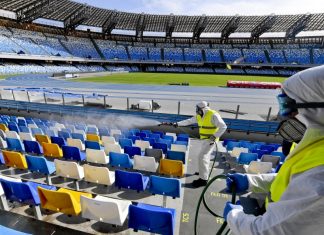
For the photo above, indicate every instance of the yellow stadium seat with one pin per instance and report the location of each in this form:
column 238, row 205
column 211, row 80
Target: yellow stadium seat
column 93, row 137
column 42, row 139
column 3, row 127
column 52, row 150
column 171, row 167
column 63, row 200
column 14, row 159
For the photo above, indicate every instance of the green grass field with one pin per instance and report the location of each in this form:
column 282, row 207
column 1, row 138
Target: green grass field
column 166, row 78
column 3, row 76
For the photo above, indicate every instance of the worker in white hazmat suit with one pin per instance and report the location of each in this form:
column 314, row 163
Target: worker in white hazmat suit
column 295, row 201
column 211, row 127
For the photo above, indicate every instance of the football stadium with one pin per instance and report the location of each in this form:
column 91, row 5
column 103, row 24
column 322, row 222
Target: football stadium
column 119, row 122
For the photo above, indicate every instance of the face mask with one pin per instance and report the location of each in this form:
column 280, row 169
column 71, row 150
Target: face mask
column 288, row 106
column 199, row 111
column 292, row 130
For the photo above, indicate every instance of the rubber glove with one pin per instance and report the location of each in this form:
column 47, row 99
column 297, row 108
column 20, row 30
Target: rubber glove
column 229, row 206
column 240, row 181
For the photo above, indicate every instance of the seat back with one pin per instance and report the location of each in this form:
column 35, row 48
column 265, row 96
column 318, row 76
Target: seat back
column 58, row 140
column 130, row 180
column 14, row 159
column 69, row 169
column 275, row 160
column 279, row 154
column 36, row 131
column 76, row 143
column 176, row 155
column 92, row 145
column 256, row 167
column 12, row 134
column 104, row 209
column 156, row 153
column 3, row 127
column 238, row 150
column 39, row 164
column 26, row 136
column 103, row 131
column 115, row 132
column 246, row 158
column 3, row 143
column 52, row 150
column 92, row 130
column 142, row 144
column 152, row 219
column 108, row 140
column 78, row 136
column 15, row 144
column 162, row 146
column 132, row 150
column 231, row 144
column 96, row 156
column 98, row 175
column 7, row 179
column 145, row 163
column 120, row 160
column 64, row 134
column 123, row 142
column 113, row 148
column 32, row 147
column 93, row 137
column 179, row 147
column 42, row 139
column 171, row 167
column 165, row 186
column 72, row 153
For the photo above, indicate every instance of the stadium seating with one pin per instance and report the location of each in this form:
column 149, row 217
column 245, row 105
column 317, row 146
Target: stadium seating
column 96, row 156
column 14, row 159
column 98, row 175
column 171, row 167
column 165, row 186
column 73, row 153
column 145, row 163
column 131, row 180
column 120, row 160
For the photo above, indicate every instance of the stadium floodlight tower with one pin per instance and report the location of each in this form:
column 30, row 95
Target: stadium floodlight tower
column 298, row 26
column 170, row 27
column 34, row 10
column 77, row 17
column 110, row 23
column 200, row 27
column 263, row 26
column 230, row 27
column 140, row 26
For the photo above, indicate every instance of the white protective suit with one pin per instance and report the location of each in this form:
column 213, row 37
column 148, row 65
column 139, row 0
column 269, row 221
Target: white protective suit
column 206, row 148
column 300, row 209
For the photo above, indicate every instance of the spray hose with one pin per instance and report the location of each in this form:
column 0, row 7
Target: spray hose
column 202, row 199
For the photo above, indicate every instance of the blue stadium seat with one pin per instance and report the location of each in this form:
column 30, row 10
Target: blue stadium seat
column 168, row 137
column 141, row 135
column 40, row 164
column 24, row 129
column 36, row 131
column 78, row 136
column 2, row 162
column 183, row 138
column 165, row 186
column 231, row 144
column 176, row 155
column 168, row 142
column 181, row 142
column 9, row 231
column 58, row 140
column 32, row 147
column 104, row 132
column 152, row 141
column 73, row 153
column 13, row 127
column 279, row 154
column 134, row 138
column 162, row 146
column 152, row 219
column 131, row 180
column 120, row 160
column 132, row 150
column 64, row 134
column 15, row 144
column 125, row 142
column 246, row 158
column 155, row 136
column 92, row 145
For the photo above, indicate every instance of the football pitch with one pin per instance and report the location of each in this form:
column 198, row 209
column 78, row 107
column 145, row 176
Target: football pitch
column 175, row 78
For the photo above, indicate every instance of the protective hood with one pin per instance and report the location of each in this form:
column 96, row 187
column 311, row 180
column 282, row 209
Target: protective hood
column 304, row 87
column 202, row 104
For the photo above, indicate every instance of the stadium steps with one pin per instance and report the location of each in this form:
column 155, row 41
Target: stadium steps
column 97, row 48
column 65, row 48
column 311, row 50
column 267, row 56
column 127, row 51
column 42, row 48
column 222, row 55
column 203, row 53
column 162, row 54
column 284, row 54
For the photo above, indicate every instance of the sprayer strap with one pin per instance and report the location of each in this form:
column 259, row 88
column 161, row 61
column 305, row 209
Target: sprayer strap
column 207, row 127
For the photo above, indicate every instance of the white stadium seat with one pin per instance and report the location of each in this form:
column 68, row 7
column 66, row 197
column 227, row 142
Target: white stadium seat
column 256, row 167
column 98, row 175
column 113, row 148
column 69, row 169
column 144, row 163
column 97, row 156
column 76, row 143
column 12, row 134
column 26, row 136
column 142, row 144
column 108, row 140
column 179, row 148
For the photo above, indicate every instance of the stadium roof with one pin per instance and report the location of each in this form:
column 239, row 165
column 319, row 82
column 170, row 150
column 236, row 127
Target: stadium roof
column 73, row 14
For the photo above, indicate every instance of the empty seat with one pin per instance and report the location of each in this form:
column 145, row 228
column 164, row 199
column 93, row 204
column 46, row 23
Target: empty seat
column 58, row 140
column 162, row 146
column 156, row 153
column 132, row 151
column 103, row 131
column 176, row 155
column 115, row 132
column 97, row 156
column 108, row 140
column 2, row 134
column 92, row 144
column 42, row 139
column 256, row 167
column 165, row 186
column 125, row 142
column 64, row 134
column 73, row 153
column 93, row 137
column 120, row 160
column 113, row 148
column 52, row 150
column 145, row 163
column 69, row 169
column 26, row 136
column 14, row 159
column 63, row 200
column 238, row 150
column 103, row 209
column 142, row 144
column 78, row 136
column 275, row 160
column 92, row 129
column 10, row 231
column 32, row 147
column 231, row 144
column 246, row 158
column 134, row 138
column 131, row 180
column 179, row 147
column 98, row 175
column 40, row 164
column 15, row 144
column 3, row 143
column 279, row 154
column 76, row 143
column 152, row 219
column 12, row 134
column 3, row 127
column 171, row 167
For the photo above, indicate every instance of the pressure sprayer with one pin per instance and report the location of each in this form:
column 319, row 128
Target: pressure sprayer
column 202, row 195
